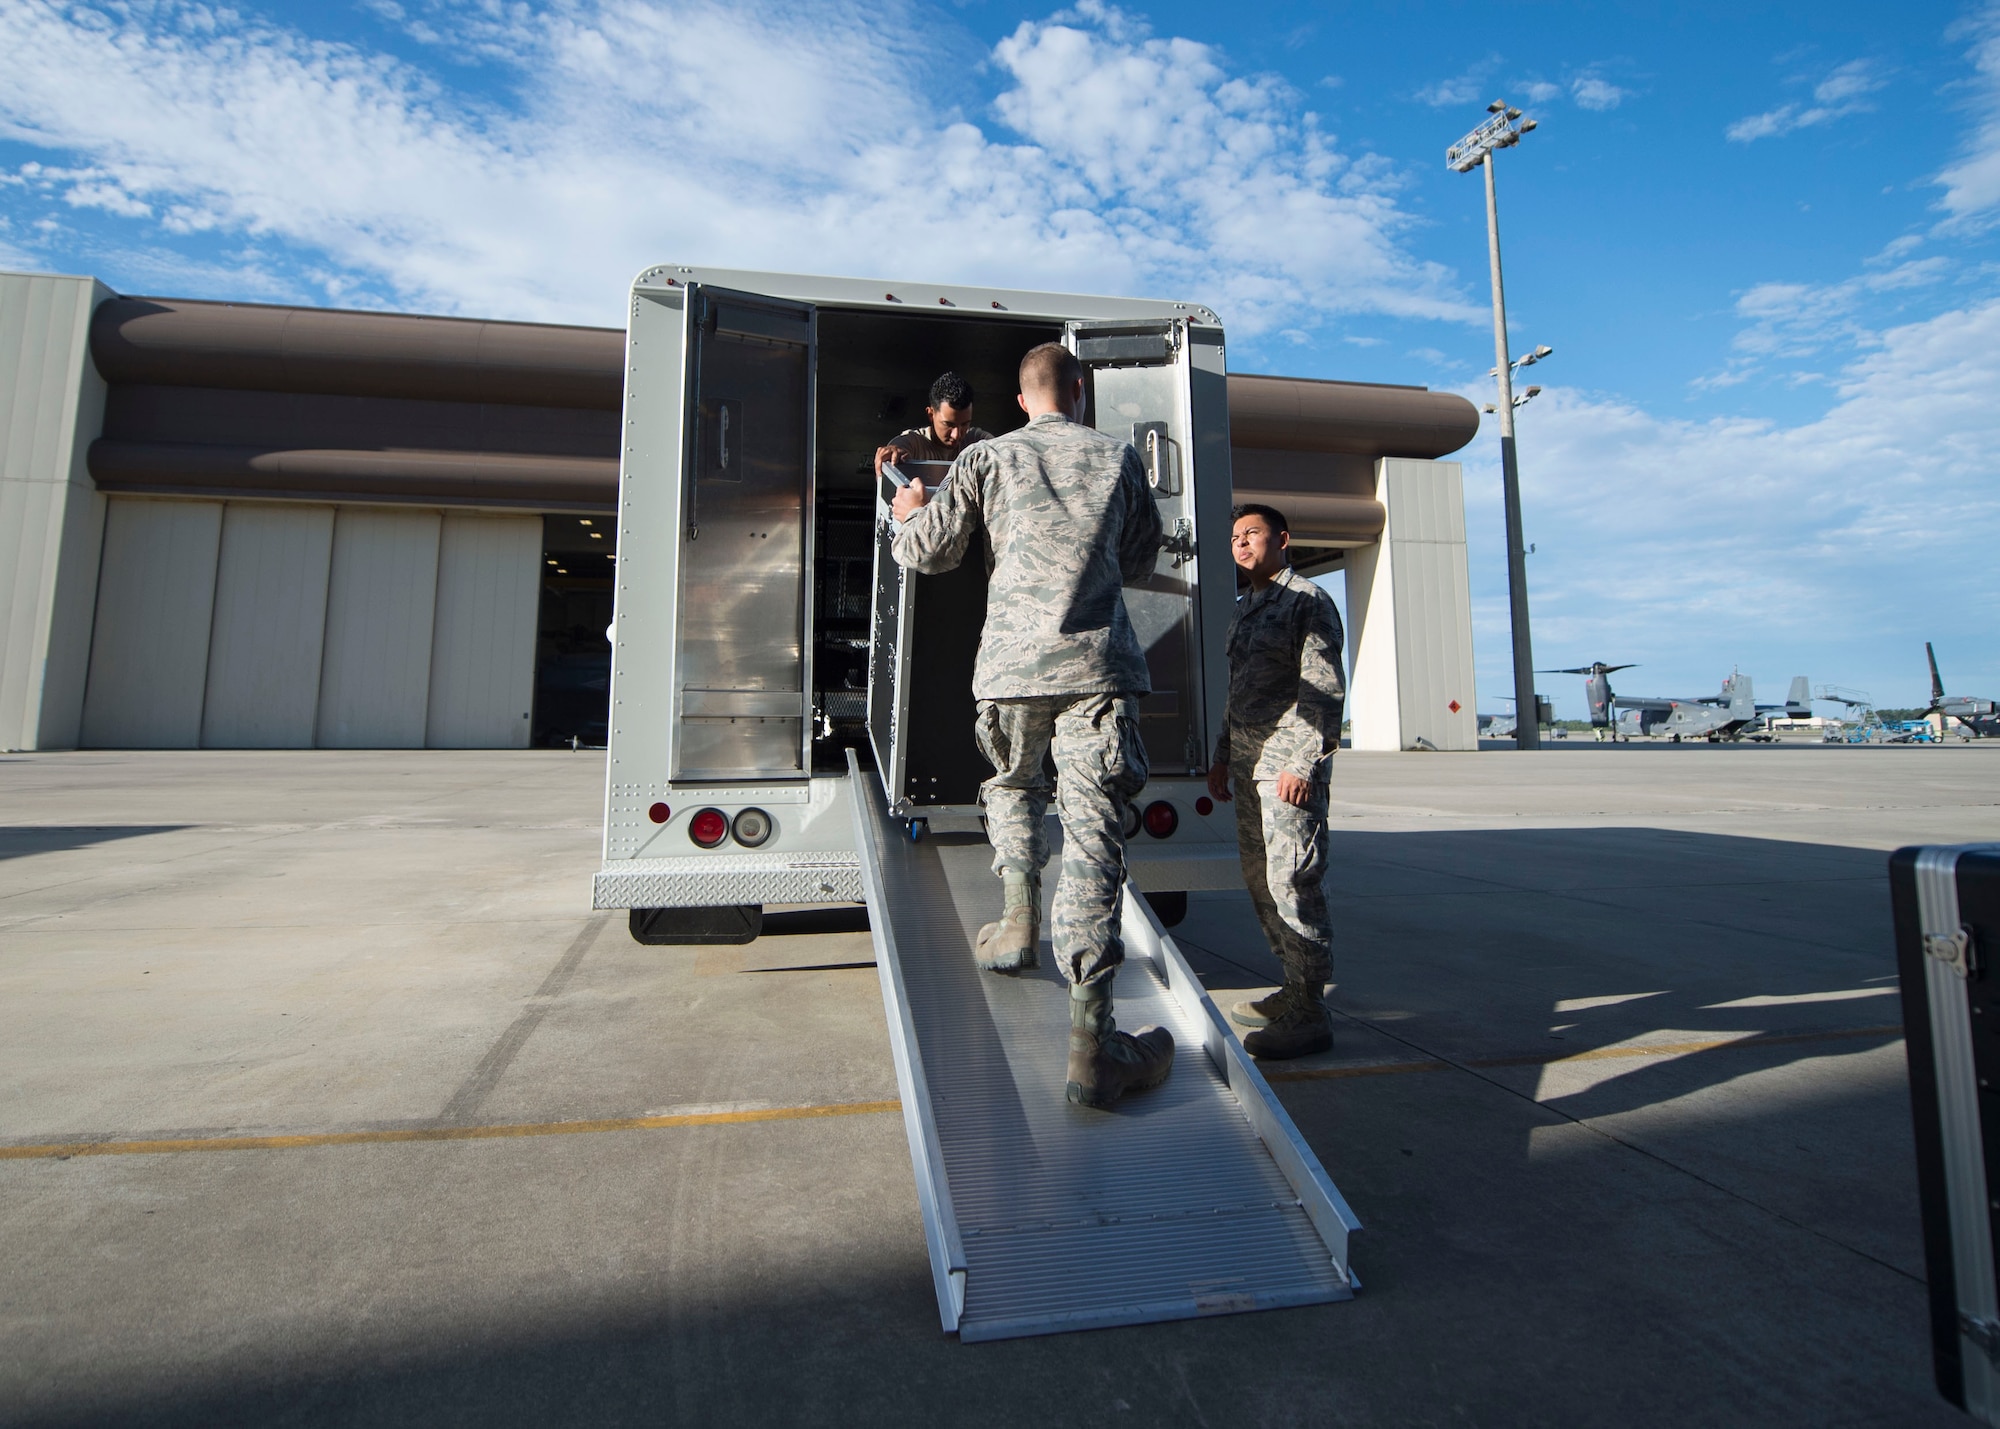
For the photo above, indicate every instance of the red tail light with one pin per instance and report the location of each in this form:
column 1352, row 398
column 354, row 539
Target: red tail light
column 1204, row 806
column 709, row 827
column 659, row 813
column 1160, row 818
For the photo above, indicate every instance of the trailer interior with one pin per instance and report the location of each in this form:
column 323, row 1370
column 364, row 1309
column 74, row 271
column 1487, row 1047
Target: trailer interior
column 873, row 372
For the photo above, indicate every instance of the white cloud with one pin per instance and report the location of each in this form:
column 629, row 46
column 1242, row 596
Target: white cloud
column 1785, row 322
column 1540, row 91
column 1466, row 88
column 1841, row 93
column 1972, row 184
column 1823, row 543
column 1591, row 92
column 762, row 134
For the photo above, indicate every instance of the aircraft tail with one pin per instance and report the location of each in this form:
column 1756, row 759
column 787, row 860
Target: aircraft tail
column 1598, row 690
column 1740, row 696
column 1798, row 702
column 1937, row 685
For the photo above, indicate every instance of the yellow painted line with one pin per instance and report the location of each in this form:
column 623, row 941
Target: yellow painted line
column 1595, row 1054
column 440, row 1133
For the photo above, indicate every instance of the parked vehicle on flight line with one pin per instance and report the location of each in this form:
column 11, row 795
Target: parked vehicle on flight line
column 1730, row 715
column 792, row 714
column 762, row 631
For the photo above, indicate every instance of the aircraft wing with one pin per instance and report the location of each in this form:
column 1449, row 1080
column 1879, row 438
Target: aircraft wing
column 1640, row 702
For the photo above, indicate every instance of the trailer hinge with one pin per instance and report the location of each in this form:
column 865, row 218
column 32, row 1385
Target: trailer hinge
column 1179, row 542
column 1983, row 1332
column 1954, row 950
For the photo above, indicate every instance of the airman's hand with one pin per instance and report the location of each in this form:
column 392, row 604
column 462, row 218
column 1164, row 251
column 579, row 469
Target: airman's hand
column 1218, row 781
column 889, row 453
column 909, row 499
column 1293, row 790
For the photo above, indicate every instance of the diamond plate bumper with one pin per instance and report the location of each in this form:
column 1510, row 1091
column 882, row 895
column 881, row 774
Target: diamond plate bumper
column 779, row 877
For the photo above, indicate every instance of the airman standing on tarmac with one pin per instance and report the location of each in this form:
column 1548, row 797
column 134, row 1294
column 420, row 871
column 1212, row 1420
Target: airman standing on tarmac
column 1069, row 520
column 1281, row 727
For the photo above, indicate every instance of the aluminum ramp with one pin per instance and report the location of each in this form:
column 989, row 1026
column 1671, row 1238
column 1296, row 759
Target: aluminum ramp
column 1198, row 1198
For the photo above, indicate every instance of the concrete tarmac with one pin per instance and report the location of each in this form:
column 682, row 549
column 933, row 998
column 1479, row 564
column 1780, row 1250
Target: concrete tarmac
column 324, row 1099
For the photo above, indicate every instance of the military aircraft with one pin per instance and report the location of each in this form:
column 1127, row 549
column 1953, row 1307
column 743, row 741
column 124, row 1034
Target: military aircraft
column 1982, row 717
column 1710, row 717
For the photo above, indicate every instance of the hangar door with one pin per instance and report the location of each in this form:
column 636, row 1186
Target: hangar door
column 286, row 625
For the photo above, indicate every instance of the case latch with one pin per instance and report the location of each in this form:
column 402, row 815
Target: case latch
column 1954, row 950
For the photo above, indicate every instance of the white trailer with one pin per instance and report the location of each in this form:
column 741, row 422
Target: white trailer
column 761, row 631
column 791, row 717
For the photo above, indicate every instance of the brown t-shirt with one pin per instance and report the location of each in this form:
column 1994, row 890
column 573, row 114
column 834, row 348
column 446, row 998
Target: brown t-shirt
column 922, row 443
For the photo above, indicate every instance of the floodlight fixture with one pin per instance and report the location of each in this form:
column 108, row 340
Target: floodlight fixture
column 1502, row 129
column 1528, row 396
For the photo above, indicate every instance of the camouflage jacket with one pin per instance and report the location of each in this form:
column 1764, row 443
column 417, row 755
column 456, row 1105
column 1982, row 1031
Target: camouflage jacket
column 922, row 443
column 1069, row 520
column 1286, row 690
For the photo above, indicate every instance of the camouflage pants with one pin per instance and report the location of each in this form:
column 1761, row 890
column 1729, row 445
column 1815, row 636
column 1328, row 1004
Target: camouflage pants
column 1100, row 765
column 1284, row 866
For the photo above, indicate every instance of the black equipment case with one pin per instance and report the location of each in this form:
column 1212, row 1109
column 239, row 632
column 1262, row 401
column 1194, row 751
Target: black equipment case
column 1947, row 913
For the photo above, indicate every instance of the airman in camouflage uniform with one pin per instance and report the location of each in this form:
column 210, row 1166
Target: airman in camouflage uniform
column 1280, row 730
column 1069, row 520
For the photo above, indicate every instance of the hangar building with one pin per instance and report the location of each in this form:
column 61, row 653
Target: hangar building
column 230, row 526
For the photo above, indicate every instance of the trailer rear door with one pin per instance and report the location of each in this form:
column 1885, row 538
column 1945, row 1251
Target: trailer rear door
column 1137, row 378
column 741, row 676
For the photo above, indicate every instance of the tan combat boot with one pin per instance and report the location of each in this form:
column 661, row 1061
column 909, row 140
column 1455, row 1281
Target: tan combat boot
column 1013, row 944
column 1302, row 1027
column 1105, row 1063
column 1259, row 1011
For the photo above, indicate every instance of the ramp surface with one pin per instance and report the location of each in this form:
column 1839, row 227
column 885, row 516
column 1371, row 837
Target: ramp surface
column 1044, row 1216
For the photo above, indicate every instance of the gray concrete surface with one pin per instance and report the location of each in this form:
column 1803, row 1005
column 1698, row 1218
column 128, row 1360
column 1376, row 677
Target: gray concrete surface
column 1562, row 1227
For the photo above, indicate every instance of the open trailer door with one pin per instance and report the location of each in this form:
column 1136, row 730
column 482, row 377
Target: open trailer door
column 741, row 678
column 924, row 643
column 1138, row 387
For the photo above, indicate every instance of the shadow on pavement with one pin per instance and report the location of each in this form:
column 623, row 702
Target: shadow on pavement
column 18, row 841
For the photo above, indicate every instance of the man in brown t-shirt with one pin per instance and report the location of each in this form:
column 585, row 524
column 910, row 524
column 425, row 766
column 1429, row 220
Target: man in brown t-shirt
column 949, row 432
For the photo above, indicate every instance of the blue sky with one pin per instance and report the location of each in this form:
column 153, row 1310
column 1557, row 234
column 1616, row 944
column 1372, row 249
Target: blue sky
column 1760, row 240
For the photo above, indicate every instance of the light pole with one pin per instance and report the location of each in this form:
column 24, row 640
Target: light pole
column 1474, row 151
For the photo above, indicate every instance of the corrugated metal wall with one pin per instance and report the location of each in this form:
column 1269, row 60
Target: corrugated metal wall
column 51, row 517
column 1410, row 615
column 482, row 671
column 374, row 680
column 270, row 619
column 283, row 626
column 149, row 651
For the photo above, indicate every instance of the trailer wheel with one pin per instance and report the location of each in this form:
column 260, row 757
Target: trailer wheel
column 919, row 828
column 1169, row 908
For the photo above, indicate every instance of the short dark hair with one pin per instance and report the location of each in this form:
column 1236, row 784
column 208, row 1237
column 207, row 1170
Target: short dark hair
column 1050, row 367
column 951, row 390
column 1271, row 514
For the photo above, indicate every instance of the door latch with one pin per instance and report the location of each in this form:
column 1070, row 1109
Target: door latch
column 1954, row 950
column 1179, row 541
